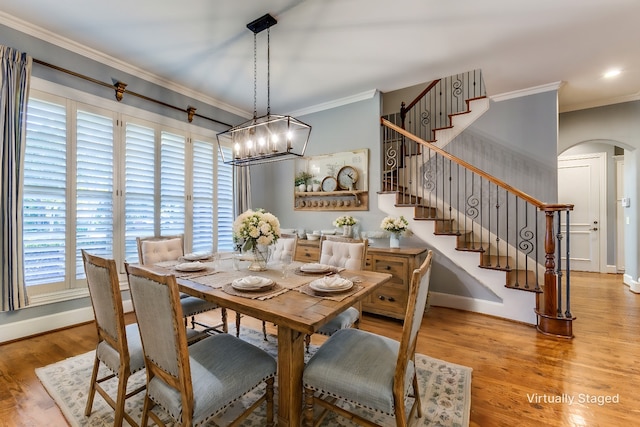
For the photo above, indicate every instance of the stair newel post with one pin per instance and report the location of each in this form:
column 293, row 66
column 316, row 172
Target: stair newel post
column 403, row 114
column 550, row 289
column 551, row 321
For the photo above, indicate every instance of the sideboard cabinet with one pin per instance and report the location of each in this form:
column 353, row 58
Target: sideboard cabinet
column 307, row 251
column 389, row 299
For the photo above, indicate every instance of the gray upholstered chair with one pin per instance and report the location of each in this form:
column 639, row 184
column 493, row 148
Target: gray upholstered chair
column 155, row 249
column 119, row 347
column 285, row 247
column 192, row 383
column 372, row 371
column 350, row 254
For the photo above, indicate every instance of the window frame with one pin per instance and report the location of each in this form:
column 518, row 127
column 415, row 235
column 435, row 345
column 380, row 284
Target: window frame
column 74, row 101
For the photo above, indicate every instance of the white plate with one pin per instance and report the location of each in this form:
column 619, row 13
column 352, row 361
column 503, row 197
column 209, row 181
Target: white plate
column 190, row 266
column 251, row 283
column 315, row 268
column 196, row 256
column 331, row 284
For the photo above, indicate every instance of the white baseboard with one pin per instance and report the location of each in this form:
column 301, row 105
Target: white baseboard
column 526, row 315
column 39, row 325
column 612, row 269
column 634, row 285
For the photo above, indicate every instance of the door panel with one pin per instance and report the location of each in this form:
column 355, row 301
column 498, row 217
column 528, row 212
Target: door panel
column 579, row 183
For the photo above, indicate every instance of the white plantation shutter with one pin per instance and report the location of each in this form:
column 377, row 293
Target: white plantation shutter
column 139, row 186
column 203, row 195
column 45, row 183
column 94, row 184
column 172, row 183
column 91, row 184
column 225, row 202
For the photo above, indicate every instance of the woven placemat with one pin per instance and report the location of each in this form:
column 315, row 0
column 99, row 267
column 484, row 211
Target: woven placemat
column 271, row 292
column 334, row 296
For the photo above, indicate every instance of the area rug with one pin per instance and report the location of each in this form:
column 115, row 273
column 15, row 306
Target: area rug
column 445, row 389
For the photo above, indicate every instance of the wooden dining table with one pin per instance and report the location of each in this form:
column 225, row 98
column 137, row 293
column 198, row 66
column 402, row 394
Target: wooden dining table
column 291, row 304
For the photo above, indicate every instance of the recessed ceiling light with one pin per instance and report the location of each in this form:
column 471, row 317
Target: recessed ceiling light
column 611, row 73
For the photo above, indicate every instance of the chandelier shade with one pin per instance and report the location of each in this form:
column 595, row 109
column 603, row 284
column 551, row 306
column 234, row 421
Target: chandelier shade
column 267, row 138
column 264, row 139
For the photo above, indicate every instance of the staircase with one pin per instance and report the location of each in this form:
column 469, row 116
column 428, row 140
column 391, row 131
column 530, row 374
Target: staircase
column 476, row 224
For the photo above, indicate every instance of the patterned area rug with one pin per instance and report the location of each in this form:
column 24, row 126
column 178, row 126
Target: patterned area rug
column 445, row 390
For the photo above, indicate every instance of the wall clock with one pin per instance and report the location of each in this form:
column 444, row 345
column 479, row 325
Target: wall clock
column 347, row 178
column 329, row 183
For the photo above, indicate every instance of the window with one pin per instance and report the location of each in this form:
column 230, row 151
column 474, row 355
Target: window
column 96, row 179
column 94, row 186
column 139, row 186
column 225, row 203
column 203, row 195
column 45, row 188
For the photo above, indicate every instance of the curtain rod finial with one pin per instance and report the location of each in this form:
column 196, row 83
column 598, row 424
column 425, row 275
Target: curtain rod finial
column 120, row 89
column 191, row 111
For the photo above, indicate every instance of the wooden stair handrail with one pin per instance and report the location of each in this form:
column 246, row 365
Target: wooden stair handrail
column 537, row 203
column 403, row 109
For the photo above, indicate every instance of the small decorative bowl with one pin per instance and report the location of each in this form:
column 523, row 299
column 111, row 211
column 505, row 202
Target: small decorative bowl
column 313, row 236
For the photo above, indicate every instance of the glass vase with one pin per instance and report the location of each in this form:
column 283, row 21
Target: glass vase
column 260, row 256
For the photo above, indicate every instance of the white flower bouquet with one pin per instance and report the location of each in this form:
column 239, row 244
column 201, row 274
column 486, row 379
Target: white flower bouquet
column 253, row 228
column 343, row 220
column 395, row 225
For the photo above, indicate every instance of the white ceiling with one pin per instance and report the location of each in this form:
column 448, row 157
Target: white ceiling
column 326, row 50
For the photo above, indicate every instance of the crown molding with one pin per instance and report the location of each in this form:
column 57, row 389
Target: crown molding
column 335, row 103
column 95, row 55
column 600, row 103
column 527, row 92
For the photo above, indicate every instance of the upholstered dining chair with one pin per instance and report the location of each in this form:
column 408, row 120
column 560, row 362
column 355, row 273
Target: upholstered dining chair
column 119, row 347
column 343, row 253
column 192, row 383
column 281, row 251
column 155, row 249
column 370, row 370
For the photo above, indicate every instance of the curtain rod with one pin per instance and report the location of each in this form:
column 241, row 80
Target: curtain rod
column 119, row 87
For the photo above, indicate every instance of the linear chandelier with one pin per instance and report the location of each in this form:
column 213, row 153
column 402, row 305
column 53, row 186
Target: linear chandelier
column 270, row 137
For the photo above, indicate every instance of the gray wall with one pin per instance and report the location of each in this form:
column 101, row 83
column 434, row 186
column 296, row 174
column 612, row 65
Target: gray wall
column 523, row 129
column 345, row 128
column 618, row 125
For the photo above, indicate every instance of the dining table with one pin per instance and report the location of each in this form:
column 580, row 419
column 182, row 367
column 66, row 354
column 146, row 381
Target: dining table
column 292, row 303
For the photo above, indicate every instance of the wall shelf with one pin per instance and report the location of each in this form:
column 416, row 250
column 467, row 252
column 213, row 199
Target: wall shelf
column 356, row 200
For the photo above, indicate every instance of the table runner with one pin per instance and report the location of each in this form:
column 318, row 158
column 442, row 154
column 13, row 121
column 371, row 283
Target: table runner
column 219, row 276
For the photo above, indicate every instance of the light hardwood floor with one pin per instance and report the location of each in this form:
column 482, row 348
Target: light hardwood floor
column 520, row 377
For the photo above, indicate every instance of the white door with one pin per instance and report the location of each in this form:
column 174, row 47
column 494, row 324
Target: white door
column 582, row 182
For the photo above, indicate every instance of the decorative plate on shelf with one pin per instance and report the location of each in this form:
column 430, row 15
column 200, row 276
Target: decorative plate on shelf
column 329, row 183
column 347, row 177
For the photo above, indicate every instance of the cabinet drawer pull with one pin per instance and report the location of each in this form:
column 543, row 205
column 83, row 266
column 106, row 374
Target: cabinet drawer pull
column 391, row 299
column 381, row 297
column 388, row 267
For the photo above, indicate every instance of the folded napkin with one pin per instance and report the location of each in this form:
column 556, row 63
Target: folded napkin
column 333, row 282
column 190, row 266
column 197, row 256
column 250, row 281
column 314, row 266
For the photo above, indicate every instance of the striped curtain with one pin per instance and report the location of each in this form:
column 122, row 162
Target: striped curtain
column 241, row 189
column 15, row 74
